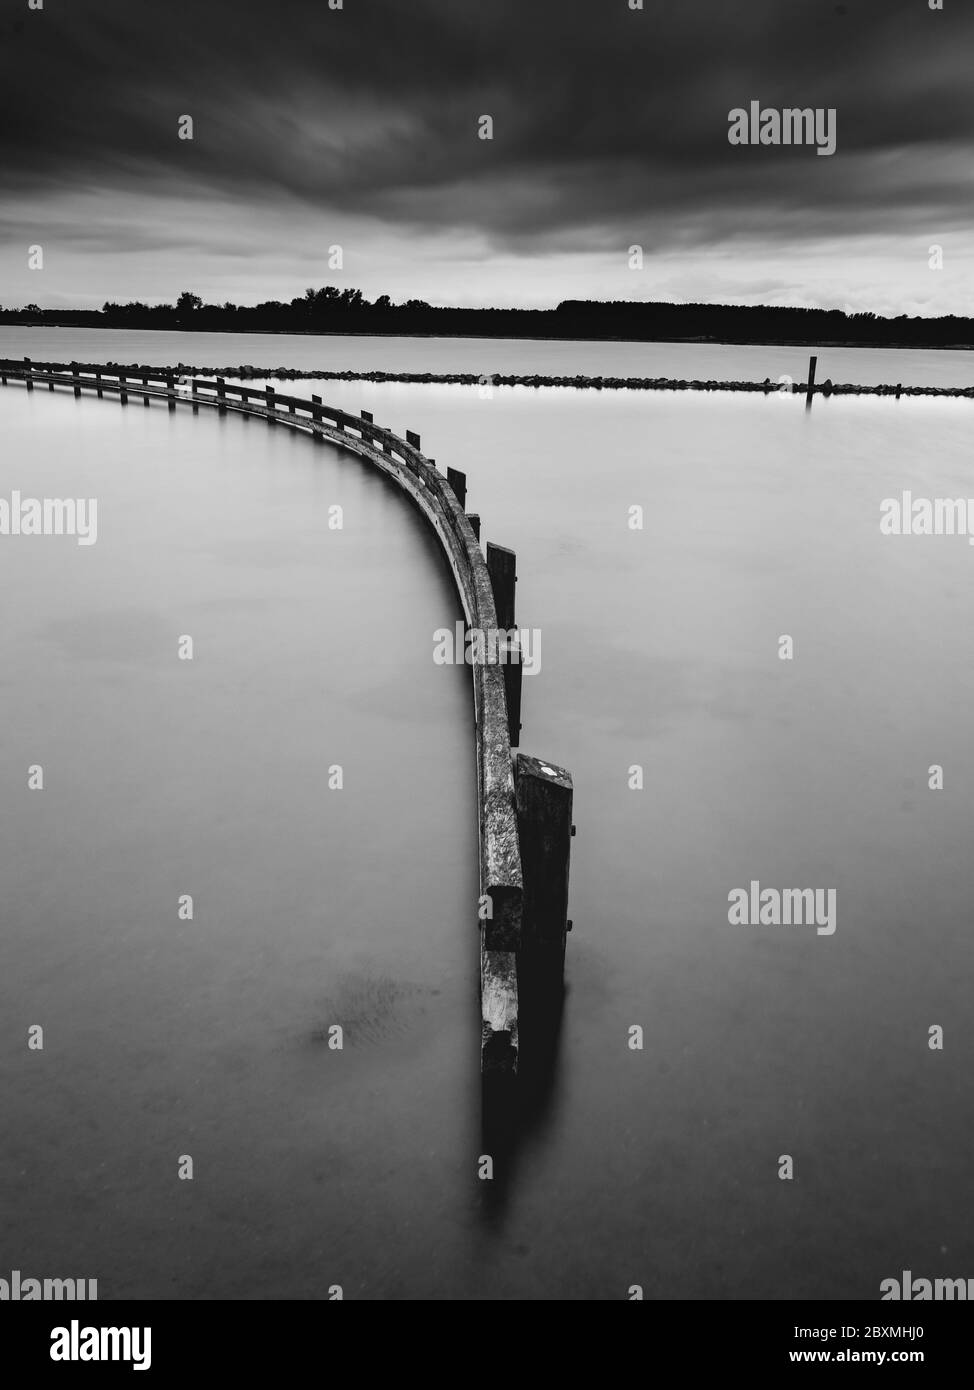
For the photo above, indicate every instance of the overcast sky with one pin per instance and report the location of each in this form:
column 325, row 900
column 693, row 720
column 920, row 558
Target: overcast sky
column 359, row 127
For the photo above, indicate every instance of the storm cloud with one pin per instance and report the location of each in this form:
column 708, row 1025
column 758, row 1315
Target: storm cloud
column 609, row 128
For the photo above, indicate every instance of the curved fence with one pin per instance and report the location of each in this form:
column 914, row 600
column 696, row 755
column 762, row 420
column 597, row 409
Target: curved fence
column 505, row 934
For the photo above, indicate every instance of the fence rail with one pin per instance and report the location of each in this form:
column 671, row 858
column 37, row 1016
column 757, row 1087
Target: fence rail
column 501, row 875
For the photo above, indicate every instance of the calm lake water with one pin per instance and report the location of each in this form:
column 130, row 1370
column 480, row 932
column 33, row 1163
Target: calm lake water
column 313, row 907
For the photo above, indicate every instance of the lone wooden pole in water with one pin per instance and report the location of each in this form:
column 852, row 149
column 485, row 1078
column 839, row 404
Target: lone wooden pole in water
column 29, row 377
column 812, row 364
column 170, row 389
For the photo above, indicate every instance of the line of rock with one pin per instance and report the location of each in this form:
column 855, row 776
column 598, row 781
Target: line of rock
column 582, row 383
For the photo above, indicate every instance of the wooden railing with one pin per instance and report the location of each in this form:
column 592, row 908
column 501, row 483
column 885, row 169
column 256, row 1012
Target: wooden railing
column 501, row 879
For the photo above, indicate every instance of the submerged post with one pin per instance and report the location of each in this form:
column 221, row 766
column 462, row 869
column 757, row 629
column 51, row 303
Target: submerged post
column 502, row 567
column 101, row 393
column 544, row 824
column 271, row 405
column 123, row 395
column 29, row 370
column 812, row 364
column 170, row 389
column 221, row 393
column 145, row 389
column 76, row 383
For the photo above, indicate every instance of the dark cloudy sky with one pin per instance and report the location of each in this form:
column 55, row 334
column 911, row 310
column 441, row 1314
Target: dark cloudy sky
column 358, row 127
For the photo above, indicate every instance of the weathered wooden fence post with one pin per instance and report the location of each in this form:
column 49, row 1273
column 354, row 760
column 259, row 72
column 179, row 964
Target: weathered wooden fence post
column 3, row 373
column 271, row 405
column 75, row 381
column 810, row 391
column 29, row 374
column 316, row 417
column 510, row 655
column 123, row 395
column 413, row 439
column 502, row 568
column 458, row 482
column 544, row 824
column 99, row 388
column 145, row 389
column 474, row 519
column 221, row 393
column 195, row 390
column 170, row 389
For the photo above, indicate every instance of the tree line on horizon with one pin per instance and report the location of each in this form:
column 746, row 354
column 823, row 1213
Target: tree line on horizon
column 331, row 310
